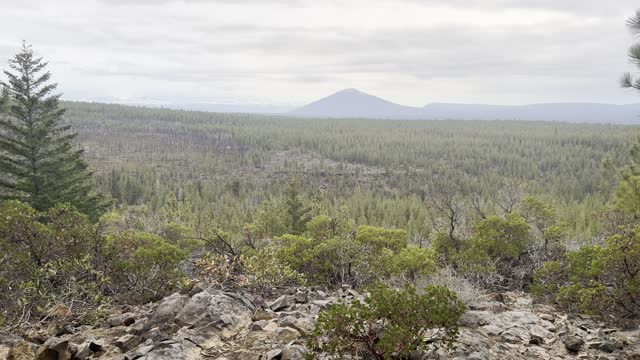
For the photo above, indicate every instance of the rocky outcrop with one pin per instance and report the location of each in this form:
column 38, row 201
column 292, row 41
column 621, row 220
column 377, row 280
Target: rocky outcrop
column 213, row 324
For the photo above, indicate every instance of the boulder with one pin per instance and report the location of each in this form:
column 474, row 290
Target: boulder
column 294, row 352
column 273, row 354
column 474, row 318
column 54, row 349
column 287, row 334
column 316, row 295
column 264, row 314
column 166, row 312
column 304, row 325
column 125, row 319
column 127, row 342
column 173, row 350
column 300, row 297
column 573, row 343
column 281, row 303
column 89, row 348
column 478, row 355
column 213, row 308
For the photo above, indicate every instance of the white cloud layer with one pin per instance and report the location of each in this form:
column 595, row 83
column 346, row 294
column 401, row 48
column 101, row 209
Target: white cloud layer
column 295, row 51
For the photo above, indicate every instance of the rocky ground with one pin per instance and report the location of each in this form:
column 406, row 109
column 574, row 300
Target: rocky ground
column 214, row 324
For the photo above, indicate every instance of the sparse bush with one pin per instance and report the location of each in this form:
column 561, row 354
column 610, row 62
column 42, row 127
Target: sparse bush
column 389, row 323
column 265, row 271
column 466, row 290
column 219, row 271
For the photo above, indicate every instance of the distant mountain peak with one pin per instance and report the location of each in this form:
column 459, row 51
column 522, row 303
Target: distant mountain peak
column 350, row 91
column 353, row 103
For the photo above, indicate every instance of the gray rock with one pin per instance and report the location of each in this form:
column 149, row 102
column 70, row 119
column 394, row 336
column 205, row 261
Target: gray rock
column 264, row 314
column 473, row 319
column 88, row 348
column 213, row 308
column 477, row 356
column 258, row 325
column 173, row 350
column 273, row 354
column 166, row 312
column 304, row 325
column 300, row 297
column 607, row 346
column 294, row 352
column 316, row 295
column 281, row 303
column 287, row 334
column 573, row 343
column 320, row 288
column 127, row 342
column 54, row 349
column 322, row 304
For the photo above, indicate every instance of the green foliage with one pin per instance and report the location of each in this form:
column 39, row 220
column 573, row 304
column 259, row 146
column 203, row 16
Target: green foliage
column 38, row 160
column 627, row 195
column 502, row 238
column 627, row 80
column 413, row 263
column 389, row 323
column 297, row 213
column 375, row 239
column 498, row 248
column 265, row 271
column 145, row 266
column 596, row 279
column 356, row 162
column 46, row 259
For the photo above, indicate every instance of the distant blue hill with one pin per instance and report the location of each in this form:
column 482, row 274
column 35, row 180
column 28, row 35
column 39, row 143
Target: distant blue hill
column 352, row 103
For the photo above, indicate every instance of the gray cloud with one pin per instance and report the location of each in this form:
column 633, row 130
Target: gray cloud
column 294, row 51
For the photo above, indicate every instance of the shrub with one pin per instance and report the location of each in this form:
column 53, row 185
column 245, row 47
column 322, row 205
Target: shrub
column 265, row 271
column 45, row 258
column 144, row 266
column 466, row 290
column 389, row 323
column 412, row 263
column 595, row 279
column 496, row 254
column 219, row 271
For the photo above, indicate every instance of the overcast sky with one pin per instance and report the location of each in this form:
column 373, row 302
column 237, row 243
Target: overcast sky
column 295, row 51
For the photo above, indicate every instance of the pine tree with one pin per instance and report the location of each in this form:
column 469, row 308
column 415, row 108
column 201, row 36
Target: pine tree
column 628, row 81
column 39, row 163
column 297, row 214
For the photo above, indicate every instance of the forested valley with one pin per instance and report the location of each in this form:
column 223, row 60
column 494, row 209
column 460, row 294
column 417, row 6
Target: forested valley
column 227, row 166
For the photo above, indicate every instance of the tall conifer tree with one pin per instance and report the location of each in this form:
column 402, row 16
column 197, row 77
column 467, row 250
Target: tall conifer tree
column 628, row 80
column 38, row 162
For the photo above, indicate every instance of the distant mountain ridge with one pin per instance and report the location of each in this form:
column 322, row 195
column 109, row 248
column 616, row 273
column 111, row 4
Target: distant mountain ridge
column 352, row 103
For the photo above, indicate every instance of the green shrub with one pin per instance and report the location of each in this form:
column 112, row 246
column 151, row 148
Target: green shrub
column 412, row 263
column 496, row 254
column 595, row 279
column 46, row 259
column 389, row 323
column 144, row 266
column 265, row 271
